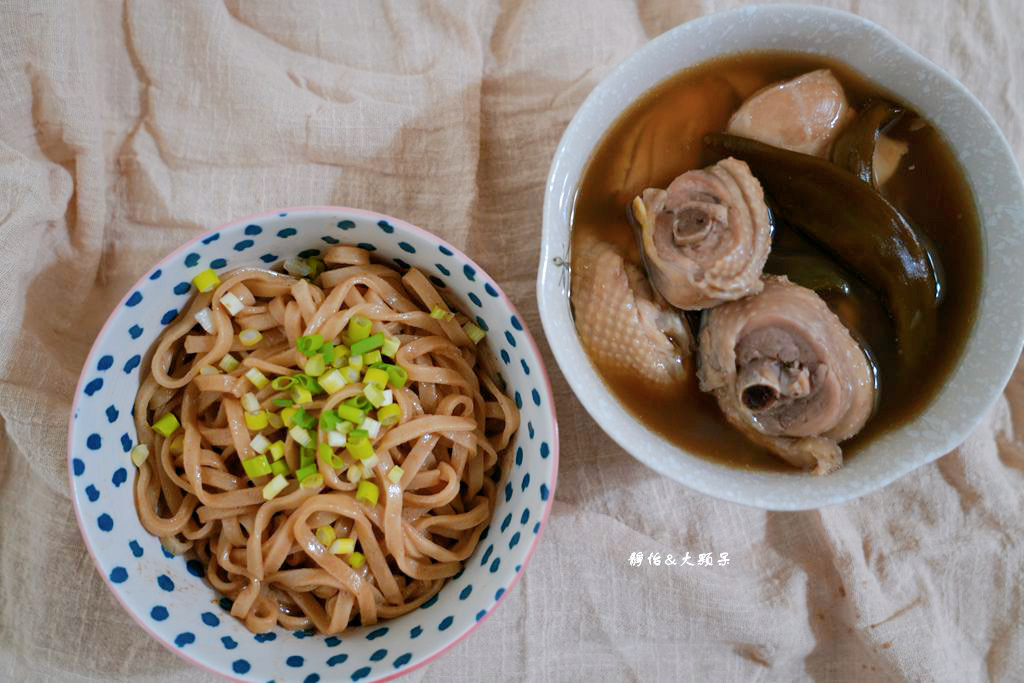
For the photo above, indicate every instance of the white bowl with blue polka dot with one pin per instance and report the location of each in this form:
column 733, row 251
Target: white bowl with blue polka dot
column 167, row 595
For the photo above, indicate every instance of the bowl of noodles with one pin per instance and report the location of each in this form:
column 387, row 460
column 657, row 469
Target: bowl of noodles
column 313, row 443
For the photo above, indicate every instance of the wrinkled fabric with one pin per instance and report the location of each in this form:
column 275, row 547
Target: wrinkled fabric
column 127, row 128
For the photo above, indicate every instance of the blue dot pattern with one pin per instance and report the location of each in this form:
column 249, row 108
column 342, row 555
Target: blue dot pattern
column 104, row 418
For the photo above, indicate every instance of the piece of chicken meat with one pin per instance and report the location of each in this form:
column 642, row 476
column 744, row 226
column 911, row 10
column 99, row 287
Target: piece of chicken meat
column 787, row 373
column 804, row 114
column 705, row 238
column 625, row 327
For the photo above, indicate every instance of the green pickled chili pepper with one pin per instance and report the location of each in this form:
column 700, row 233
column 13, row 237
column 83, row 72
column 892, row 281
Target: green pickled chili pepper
column 854, row 149
column 855, row 224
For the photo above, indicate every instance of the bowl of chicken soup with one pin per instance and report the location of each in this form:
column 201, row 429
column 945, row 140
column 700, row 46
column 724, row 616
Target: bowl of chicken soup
column 781, row 263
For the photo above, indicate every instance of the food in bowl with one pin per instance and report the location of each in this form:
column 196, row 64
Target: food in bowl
column 772, row 356
column 326, row 441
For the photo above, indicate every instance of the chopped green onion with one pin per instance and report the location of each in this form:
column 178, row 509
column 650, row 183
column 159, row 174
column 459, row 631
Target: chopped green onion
column 258, row 379
column 166, row 425
column 372, row 358
column 177, row 444
column 329, row 420
column 324, row 451
column 300, row 436
column 250, row 337
column 276, row 485
column 350, row 413
column 355, row 362
column 228, row 363
column 283, row 382
column 309, row 345
column 374, row 394
column 389, row 398
column 368, row 493
column 207, row 370
column 303, row 419
column 206, row 280
column 287, row 414
column 395, row 474
column 260, row 444
column 350, row 374
column 474, row 332
column 307, row 456
column 309, row 383
column 397, row 376
column 361, row 449
column 389, row 414
column 275, row 420
column 359, row 401
column 256, row 467
column 376, row 376
column 306, row 471
column 370, row 463
column 257, row 421
column 302, row 395
column 336, row 439
column 368, row 344
column 277, row 449
column 327, row 351
column 232, row 303
column 359, row 328
column 370, row 426
column 313, row 481
column 250, row 402
column 316, row 266
column 356, row 560
column 390, row 347
column 316, row 365
column 326, row 535
column 343, row 546
column 205, row 320
column 283, row 402
column 335, row 461
column 354, row 473
column 438, row 313
column 280, row 467
column 139, row 454
column 297, row 267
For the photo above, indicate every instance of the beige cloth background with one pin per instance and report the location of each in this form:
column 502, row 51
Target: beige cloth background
column 127, row 128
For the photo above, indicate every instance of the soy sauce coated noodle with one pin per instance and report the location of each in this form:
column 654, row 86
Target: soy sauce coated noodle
column 451, row 443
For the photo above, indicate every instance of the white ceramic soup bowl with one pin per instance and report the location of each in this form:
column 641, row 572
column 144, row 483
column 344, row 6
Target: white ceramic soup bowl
column 167, row 595
column 994, row 343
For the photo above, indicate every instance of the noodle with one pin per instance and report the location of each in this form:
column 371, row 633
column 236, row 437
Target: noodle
column 450, row 443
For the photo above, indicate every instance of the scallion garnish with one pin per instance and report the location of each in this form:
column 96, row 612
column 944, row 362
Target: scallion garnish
column 206, row 280
column 232, row 303
column 276, row 485
column 359, row 328
column 310, row 344
column 166, row 425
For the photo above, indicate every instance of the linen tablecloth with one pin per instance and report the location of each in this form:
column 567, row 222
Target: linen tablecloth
column 127, row 128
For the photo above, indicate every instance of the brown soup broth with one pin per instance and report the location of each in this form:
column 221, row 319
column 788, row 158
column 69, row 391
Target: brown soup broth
column 659, row 137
